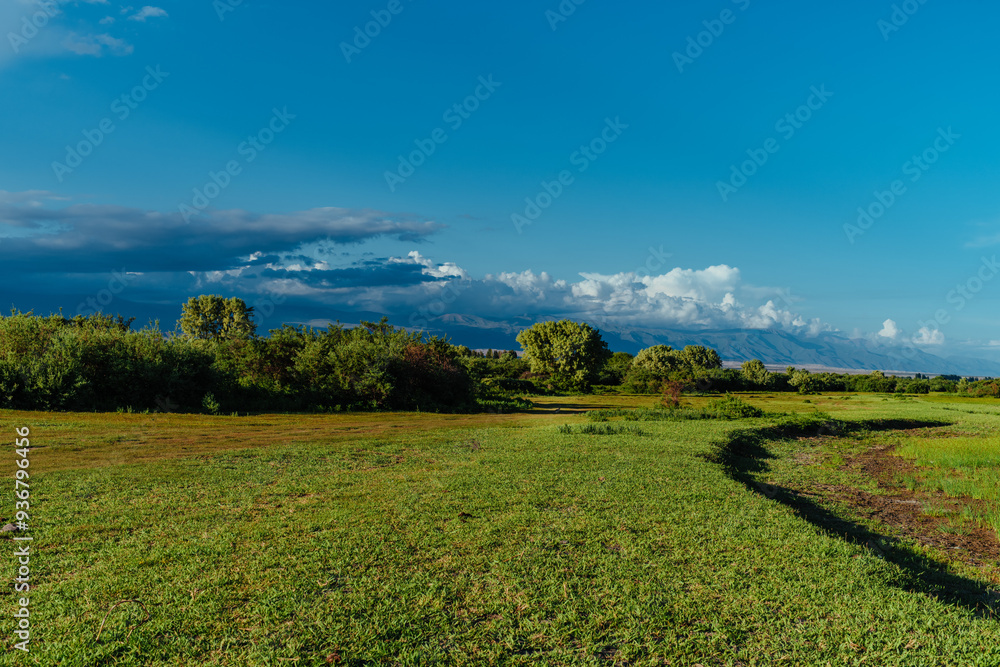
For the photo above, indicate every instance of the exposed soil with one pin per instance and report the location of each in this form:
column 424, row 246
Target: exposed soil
column 904, row 510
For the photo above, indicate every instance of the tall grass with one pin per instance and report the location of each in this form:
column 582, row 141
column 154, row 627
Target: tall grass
column 729, row 407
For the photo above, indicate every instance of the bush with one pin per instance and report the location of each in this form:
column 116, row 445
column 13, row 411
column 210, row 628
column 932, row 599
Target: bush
column 210, row 405
column 603, row 429
column 728, row 408
column 615, row 369
column 504, row 405
column 99, row 363
column 732, row 407
column 514, row 385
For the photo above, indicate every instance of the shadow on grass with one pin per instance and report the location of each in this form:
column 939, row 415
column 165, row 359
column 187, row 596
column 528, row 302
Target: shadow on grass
column 570, row 408
column 745, row 453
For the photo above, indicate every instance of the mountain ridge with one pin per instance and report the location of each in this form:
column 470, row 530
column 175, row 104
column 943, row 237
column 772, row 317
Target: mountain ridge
column 772, row 346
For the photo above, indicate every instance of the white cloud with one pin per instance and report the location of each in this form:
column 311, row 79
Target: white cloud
column 928, row 336
column 97, row 45
column 527, row 284
column 30, row 198
column 700, row 298
column 889, row 330
column 892, row 335
column 148, row 12
column 704, row 284
column 446, row 270
column 286, row 254
column 107, row 20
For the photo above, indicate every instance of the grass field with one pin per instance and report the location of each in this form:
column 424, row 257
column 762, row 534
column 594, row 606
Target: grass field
column 418, row 539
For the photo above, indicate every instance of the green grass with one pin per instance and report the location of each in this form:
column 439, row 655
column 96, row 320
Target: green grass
column 602, row 429
column 730, row 407
column 961, row 466
column 416, row 539
column 954, row 452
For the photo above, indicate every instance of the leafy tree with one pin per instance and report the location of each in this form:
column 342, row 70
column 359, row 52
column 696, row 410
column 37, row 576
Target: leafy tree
column 942, row 383
column 804, row 380
column 211, row 317
column 616, row 368
column 655, row 367
column 658, row 365
column 755, row 372
column 661, row 361
column 572, row 353
column 701, row 358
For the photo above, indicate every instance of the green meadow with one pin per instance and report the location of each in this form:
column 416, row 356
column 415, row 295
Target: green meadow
column 533, row 538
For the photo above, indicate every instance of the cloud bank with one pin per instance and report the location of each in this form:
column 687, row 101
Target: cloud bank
column 39, row 234
column 310, row 262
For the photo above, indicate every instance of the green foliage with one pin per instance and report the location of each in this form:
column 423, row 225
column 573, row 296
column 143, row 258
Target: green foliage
column 803, row 381
column 728, row 408
column 96, row 364
column 506, row 366
column 700, row 358
column 660, row 361
column 756, row 373
column 653, row 367
column 656, row 367
column 514, row 385
column 943, row 384
column 615, row 369
column 602, row 429
column 499, row 384
column 984, row 388
column 642, row 381
column 732, row 407
column 210, row 405
column 211, row 317
column 375, row 366
column 504, row 405
column 101, row 364
column 571, row 353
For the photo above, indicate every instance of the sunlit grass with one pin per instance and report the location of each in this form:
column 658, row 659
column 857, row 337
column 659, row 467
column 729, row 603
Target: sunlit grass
column 964, row 453
column 412, row 539
column 960, row 466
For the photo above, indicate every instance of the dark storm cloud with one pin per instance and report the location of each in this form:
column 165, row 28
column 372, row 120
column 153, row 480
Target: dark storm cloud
column 90, row 238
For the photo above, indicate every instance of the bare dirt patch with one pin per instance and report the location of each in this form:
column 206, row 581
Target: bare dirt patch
column 905, row 511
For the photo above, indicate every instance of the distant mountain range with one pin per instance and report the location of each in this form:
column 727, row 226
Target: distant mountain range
column 770, row 346
column 781, row 348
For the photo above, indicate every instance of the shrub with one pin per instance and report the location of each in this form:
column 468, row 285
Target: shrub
column 727, row 408
column 603, row 429
column 732, row 407
column 99, row 363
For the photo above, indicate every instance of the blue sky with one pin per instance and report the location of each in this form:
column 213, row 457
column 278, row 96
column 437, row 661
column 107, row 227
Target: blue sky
column 641, row 121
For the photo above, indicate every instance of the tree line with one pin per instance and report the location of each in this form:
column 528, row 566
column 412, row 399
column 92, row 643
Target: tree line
column 214, row 361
